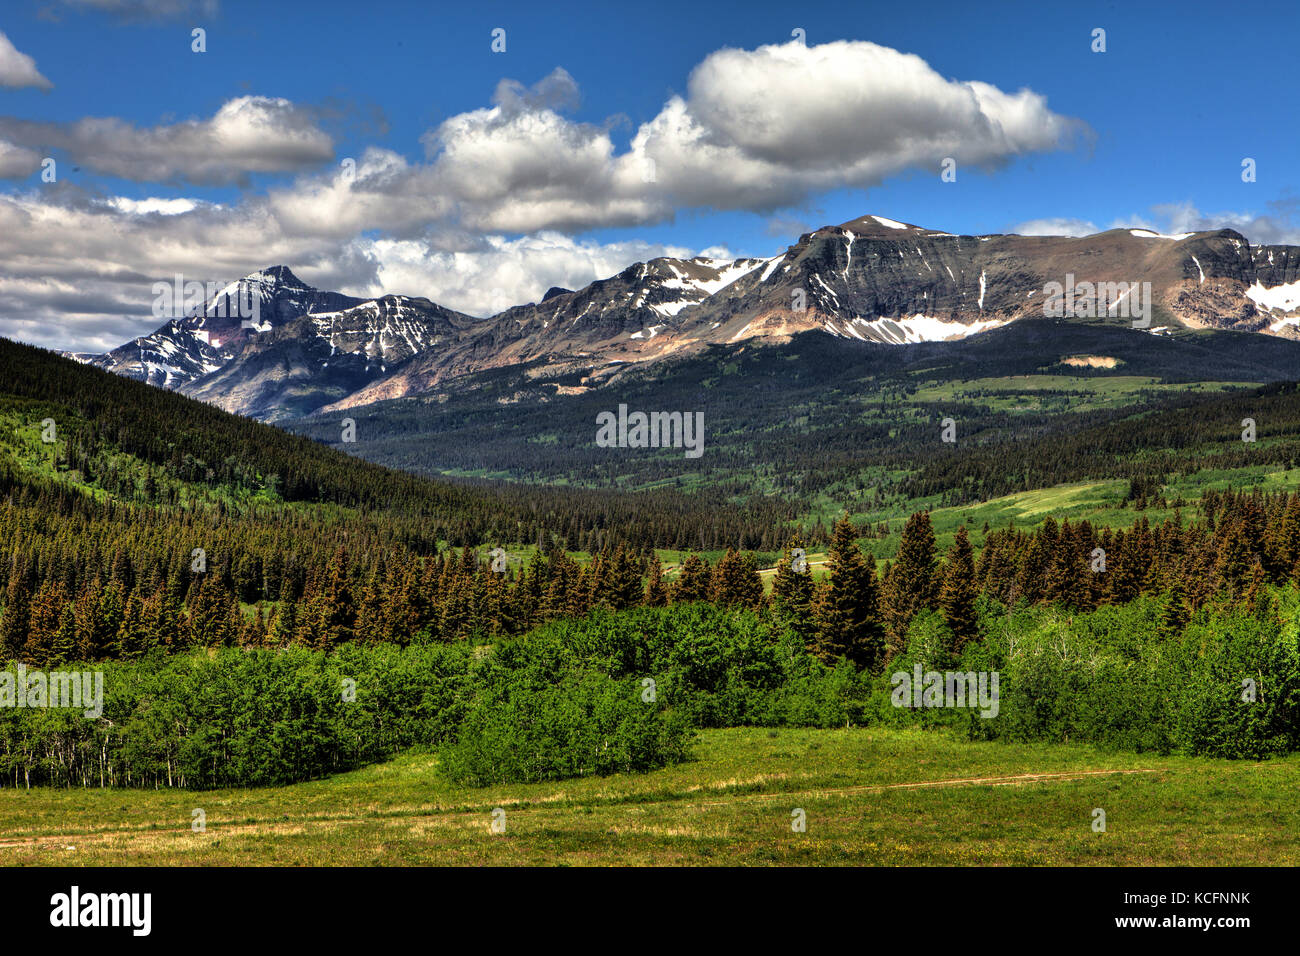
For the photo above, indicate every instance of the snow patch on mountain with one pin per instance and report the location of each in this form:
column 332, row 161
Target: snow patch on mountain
column 771, row 267
column 1148, row 234
column 911, row 330
column 1284, row 297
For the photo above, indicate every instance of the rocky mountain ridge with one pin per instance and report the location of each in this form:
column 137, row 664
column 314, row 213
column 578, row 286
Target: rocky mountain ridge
column 871, row 279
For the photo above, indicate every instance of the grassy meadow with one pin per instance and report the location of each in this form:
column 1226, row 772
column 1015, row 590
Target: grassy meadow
column 872, row 796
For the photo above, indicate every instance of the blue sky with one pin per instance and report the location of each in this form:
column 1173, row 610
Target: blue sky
column 1152, row 132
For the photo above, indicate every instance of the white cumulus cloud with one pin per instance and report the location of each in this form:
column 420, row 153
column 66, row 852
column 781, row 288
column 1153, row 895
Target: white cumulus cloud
column 248, row 134
column 17, row 69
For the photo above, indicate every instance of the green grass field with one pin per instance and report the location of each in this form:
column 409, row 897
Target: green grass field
column 871, row 797
column 1058, row 392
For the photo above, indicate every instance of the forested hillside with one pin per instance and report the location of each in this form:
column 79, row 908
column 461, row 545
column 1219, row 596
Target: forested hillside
column 152, row 521
column 135, row 443
column 826, row 424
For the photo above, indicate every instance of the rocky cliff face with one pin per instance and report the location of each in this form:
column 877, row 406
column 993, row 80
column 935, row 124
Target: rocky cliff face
column 895, row 283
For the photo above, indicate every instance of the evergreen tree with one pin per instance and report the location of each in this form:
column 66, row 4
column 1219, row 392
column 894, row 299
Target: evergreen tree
column 15, row 621
column 1174, row 611
column 1288, row 535
column 66, row 649
column 913, row 583
column 131, row 639
column 958, row 593
column 338, row 613
column 656, row 593
column 621, row 585
column 46, row 615
column 848, row 612
column 284, row 625
column 735, row 582
column 1233, row 564
column 209, row 615
column 792, row 591
column 692, row 582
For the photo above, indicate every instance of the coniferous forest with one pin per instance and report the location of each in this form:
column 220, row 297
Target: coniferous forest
column 228, row 578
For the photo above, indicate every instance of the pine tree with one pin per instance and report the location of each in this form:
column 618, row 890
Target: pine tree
column 209, row 615
column 489, row 616
column 562, row 598
column 339, row 614
column 66, row 649
column 131, row 640
column 621, row 585
column 85, row 613
column 284, row 624
column 656, row 593
column 15, row 622
column 46, row 615
column 1233, row 566
column 848, row 612
column 735, row 582
column 1174, row 611
column 530, row 594
column 108, row 622
column 792, row 591
column 456, row 602
column 913, row 584
column 692, row 583
column 371, row 624
column 1288, row 535
column 958, row 593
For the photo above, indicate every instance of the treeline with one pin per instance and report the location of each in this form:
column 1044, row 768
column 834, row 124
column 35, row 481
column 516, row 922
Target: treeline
column 77, row 587
column 1184, row 434
column 602, row 694
column 1246, row 542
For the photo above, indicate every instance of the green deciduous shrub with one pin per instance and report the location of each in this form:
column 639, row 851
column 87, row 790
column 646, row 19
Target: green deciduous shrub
column 1112, row 678
column 541, row 722
column 570, row 698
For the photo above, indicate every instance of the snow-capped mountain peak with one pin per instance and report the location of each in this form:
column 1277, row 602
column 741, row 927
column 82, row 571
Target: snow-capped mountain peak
column 874, row 279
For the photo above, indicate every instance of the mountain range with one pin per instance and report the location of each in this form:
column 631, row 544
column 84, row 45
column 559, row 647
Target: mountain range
column 872, row 279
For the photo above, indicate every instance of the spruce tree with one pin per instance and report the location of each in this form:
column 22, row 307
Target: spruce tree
column 1174, row 610
column 848, row 611
column 735, row 582
column 1287, row 545
column 792, row 591
column 65, row 649
column 622, row 584
column 958, row 593
column 46, row 614
column 656, row 593
column 15, row 622
column 692, row 582
column 913, row 583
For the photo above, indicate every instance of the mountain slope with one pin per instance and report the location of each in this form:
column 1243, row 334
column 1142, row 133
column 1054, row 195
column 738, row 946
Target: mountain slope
column 882, row 281
column 180, row 464
column 634, row 316
column 211, row 332
column 871, row 279
column 817, row 415
column 322, row 357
